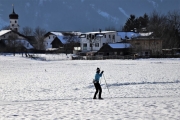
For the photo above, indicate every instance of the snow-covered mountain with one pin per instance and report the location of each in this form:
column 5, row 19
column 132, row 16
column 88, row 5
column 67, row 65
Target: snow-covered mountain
column 80, row 15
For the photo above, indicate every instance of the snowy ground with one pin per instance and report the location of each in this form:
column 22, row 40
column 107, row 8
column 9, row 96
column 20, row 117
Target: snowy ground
column 144, row 89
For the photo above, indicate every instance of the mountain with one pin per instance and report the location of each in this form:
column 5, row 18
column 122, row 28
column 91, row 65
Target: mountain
column 80, row 15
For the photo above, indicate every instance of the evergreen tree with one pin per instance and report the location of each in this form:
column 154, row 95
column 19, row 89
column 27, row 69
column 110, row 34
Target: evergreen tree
column 136, row 23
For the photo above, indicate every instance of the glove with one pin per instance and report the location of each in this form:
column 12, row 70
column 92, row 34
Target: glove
column 102, row 72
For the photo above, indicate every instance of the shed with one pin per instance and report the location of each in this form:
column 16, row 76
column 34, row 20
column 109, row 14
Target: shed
column 115, row 49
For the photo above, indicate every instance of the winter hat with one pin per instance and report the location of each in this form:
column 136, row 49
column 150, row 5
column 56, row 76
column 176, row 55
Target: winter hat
column 97, row 69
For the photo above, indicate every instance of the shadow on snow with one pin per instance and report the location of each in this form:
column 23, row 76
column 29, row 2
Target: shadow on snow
column 142, row 83
column 136, row 83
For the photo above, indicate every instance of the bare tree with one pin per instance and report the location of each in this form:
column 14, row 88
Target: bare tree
column 157, row 23
column 39, row 36
column 72, row 37
column 92, row 40
column 173, row 25
column 27, row 31
column 73, row 40
column 13, row 43
column 166, row 27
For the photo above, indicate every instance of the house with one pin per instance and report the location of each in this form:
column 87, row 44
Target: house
column 10, row 38
column 61, row 40
column 53, row 37
column 115, row 49
column 146, row 44
column 93, row 41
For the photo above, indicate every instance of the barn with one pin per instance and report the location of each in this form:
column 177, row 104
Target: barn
column 115, row 49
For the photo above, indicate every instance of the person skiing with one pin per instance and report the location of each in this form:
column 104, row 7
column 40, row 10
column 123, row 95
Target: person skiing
column 96, row 83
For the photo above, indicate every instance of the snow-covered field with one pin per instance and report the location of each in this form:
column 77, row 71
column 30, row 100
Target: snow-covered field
column 144, row 89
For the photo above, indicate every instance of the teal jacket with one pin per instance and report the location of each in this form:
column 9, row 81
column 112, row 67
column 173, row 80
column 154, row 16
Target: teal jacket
column 97, row 76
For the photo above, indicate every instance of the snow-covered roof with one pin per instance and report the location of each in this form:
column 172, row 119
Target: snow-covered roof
column 60, row 36
column 128, row 34
column 64, row 36
column 133, row 34
column 57, row 33
column 51, row 49
column 2, row 32
column 119, row 45
column 77, row 33
column 103, row 32
column 99, row 35
column 146, row 34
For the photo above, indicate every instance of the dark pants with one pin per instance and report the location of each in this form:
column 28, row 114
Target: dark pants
column 98, row 88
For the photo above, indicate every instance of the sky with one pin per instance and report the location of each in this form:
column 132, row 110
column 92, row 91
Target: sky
column 80, row 15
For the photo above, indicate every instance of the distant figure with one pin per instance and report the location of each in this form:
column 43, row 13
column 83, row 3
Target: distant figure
column 96, row 83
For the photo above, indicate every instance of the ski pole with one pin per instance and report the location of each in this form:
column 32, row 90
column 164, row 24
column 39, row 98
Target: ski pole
column 106, row 83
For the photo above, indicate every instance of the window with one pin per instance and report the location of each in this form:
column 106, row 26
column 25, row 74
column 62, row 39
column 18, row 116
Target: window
column 109, row 36
column 85, row 46
column 92, row 36
column 83, row 36
column 104, row 36
column 49, row 37
column 12, row 25
column 113, row 36
column 15, row 21
column 47, row 43
column 146, row 53
column 96, row 44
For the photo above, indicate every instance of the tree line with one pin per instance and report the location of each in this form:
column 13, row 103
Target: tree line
column 163, row 26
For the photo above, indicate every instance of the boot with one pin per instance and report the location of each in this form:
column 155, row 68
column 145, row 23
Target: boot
column 100, row 98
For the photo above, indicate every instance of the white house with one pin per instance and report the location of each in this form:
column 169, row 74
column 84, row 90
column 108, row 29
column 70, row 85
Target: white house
column 21, row 40
column 60, row 37
column 93, row 41
column 49, row 38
